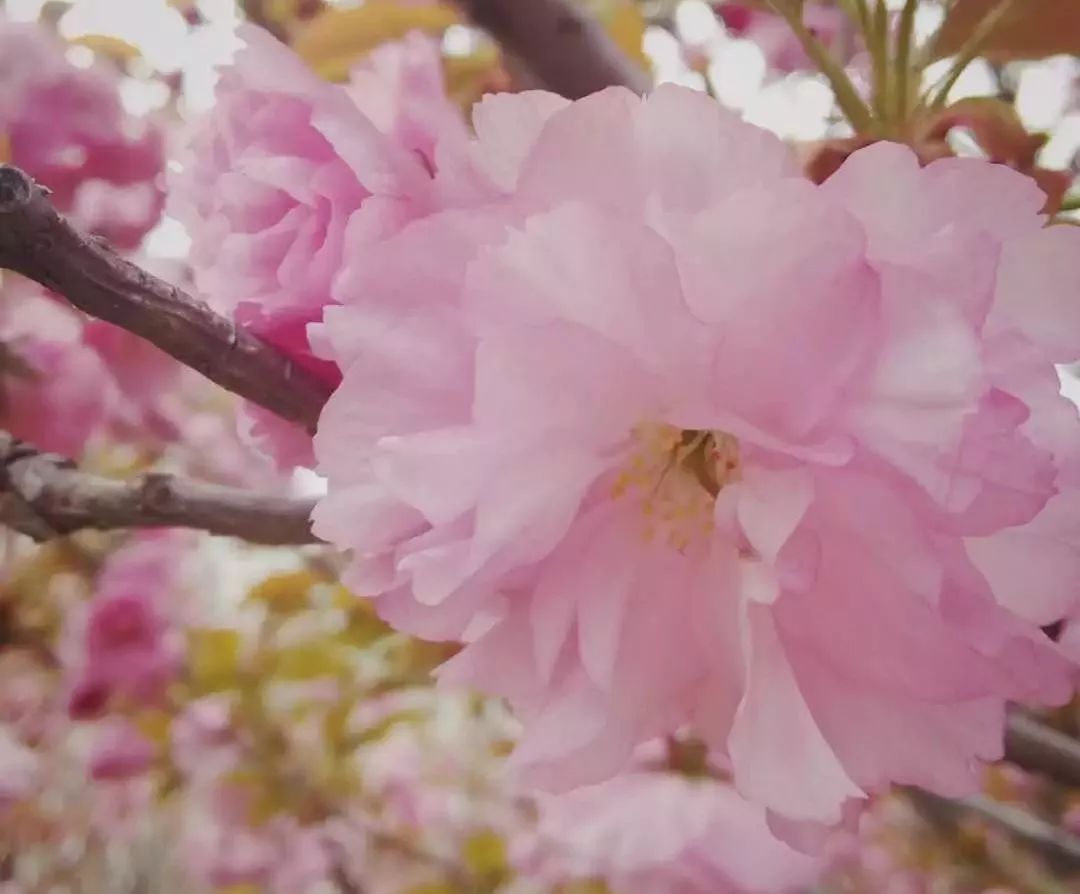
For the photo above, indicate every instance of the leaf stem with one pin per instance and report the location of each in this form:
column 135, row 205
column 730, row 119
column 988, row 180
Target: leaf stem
column 851, row 104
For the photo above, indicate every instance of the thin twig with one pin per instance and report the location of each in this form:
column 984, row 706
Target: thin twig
column 38, row 243
column 45, row 496
column 567, row 50
column 847, row 97
column 905, row 36
column 1060, row 849
column 878, row 44
column 1040, row 748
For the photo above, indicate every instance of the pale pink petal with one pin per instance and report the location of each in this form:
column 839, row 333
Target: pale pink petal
column 780, row 756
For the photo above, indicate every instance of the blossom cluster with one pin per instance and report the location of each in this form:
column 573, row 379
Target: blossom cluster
column 670, row 437
column 66, row 127
column 292, row 742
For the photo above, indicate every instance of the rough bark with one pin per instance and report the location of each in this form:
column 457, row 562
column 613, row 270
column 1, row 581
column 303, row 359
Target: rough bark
column 44, row 496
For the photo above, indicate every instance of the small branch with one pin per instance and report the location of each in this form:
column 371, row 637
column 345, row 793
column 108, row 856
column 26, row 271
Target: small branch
column 44, row 496
column 38, row 243
column 564, row 47
column 255, row 11
column 1060, row 849
column 1040, row 748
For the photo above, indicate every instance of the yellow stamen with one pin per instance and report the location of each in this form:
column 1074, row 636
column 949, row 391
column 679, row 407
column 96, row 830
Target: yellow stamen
column 674, row 476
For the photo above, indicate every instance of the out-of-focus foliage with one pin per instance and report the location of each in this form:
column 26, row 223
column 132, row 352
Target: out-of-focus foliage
column 265, row 730
column 337, row 38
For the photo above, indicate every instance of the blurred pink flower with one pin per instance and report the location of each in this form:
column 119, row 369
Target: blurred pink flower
column 281, row 857
column 72, row 382
column 61, row 400
column 649, row 832
column 126, row 644
column 65, row 126
column 120, row 752
column 667, row 442
column 283, row 168
column 20, row 769
column 204, row 743
column 782, row 49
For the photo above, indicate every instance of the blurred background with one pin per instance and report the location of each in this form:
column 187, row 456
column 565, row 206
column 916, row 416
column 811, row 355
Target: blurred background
column 184, row 713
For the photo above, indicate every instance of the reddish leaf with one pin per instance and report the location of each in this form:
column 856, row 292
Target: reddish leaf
column 1033, row 29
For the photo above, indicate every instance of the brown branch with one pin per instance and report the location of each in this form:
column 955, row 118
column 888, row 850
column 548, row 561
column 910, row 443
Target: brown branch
column 38, row 243
column 567, row 50
column 1060, row 849
column 45, row 496
column 1039, row 748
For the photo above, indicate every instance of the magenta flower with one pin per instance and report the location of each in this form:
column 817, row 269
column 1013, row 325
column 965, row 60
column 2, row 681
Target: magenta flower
column 127, row 645
column 65, row 126
column 284, row 167
column 669, row 443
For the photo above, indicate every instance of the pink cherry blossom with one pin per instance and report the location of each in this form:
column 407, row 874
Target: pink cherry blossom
column 286, row 165
column 400, row 88
column 668, row 442
column 66, row 127
column 648, row 832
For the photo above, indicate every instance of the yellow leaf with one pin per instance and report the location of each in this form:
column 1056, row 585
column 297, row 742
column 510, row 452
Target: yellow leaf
column 308, row 661
column 485, row 854
column 363, row 626
column 432, row 888
column 626, row 26
column 589, row 886
column 213, row 657
column 154, row 725
column 281, row 11
column 108, row 46
column 336, row 724
column 1032, row 29
column 263, row 801
column 333, row 41
column 5, row 148
column 285, row 593
column 468, row 77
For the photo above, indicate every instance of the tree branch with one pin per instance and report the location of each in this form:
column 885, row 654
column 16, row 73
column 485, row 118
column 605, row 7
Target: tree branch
column 1060, row 849
column 38, row 243
column 44, row 496
column 1039, row 748
column 564, row 47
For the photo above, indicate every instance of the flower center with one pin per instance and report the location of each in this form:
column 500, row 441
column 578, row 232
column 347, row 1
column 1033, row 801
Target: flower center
column 675, row 475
